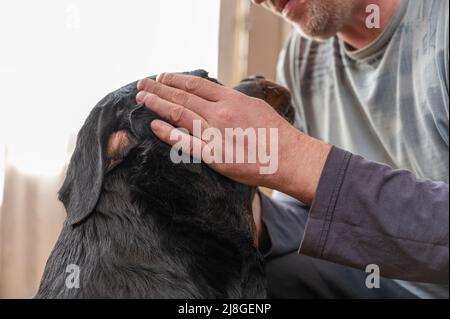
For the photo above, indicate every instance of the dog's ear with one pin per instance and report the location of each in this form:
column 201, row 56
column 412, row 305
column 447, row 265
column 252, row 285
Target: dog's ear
column 99, row 148
column 84, row 178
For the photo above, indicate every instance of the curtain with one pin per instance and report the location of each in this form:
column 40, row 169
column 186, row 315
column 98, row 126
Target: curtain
column 30, row 221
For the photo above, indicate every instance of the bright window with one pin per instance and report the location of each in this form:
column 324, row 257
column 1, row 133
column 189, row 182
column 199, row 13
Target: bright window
column 58, row 58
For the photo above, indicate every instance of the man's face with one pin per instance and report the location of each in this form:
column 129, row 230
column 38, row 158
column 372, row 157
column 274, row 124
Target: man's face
column 319, row 19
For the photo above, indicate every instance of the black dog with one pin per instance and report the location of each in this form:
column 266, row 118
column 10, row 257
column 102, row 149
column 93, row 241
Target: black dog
column 139, row 226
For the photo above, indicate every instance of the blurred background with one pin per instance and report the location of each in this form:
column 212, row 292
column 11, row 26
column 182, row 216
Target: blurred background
column 58, row 58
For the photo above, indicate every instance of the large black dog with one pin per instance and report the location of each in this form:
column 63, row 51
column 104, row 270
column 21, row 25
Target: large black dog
column 140, row 226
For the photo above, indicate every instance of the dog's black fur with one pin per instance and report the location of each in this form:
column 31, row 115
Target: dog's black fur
column 139, row 226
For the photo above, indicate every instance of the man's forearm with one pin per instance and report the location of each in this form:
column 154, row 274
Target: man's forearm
column 301, row 166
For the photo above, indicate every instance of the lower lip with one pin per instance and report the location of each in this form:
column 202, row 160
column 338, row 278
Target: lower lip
column 287, row 10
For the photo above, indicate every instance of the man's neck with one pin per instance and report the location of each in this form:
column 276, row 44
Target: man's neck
column 357, row 34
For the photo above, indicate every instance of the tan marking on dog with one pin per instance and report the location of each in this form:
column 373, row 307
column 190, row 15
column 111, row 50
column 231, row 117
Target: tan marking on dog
column 117, row 142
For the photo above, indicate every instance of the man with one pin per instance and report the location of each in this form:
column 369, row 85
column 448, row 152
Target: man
column 381, row 93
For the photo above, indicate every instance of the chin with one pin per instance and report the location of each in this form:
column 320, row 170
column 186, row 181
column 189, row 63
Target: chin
column 313, row 34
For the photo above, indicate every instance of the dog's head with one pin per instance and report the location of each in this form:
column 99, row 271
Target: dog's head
column 117, row 133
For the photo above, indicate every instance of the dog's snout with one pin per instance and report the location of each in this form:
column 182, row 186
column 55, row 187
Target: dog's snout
column 275, row 95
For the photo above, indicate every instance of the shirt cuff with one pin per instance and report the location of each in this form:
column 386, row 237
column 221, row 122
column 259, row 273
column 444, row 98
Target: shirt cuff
column 322, row 210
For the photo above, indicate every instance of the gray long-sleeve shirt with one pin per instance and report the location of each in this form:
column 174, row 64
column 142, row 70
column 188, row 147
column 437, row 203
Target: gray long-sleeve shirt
column 388, row 103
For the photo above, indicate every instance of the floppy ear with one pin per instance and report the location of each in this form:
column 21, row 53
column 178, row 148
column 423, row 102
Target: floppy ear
column 84, row 178
column 90, row 162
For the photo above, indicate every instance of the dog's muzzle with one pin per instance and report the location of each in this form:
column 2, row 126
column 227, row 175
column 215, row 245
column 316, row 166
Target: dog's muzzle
column 275, row 95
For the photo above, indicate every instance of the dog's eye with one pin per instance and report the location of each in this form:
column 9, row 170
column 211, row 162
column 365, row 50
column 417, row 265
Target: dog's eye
column 117, row 144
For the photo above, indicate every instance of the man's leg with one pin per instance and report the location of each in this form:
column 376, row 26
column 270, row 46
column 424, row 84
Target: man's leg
column 291, row 275
column 295, row 276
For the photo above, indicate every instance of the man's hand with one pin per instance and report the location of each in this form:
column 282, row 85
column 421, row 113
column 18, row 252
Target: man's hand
column 181, row 99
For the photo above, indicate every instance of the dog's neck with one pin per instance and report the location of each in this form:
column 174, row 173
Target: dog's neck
column 143, row 234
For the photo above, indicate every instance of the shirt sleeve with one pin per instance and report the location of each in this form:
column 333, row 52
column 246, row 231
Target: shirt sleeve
column 368, row 213
column 284, row 222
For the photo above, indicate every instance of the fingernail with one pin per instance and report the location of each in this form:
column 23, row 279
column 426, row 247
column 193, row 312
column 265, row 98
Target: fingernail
column 139, row 84
column 155, row 125
column 140, row 97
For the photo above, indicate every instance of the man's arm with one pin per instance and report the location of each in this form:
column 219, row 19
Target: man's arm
column 368, row 213
column 365, row 213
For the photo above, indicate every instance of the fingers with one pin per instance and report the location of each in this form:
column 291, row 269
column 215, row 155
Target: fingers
column 170, row 135
column 174, row 113
column 198, row 86
column 170, row 94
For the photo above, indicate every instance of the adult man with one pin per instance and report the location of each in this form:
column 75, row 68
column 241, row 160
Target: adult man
column 378, row 92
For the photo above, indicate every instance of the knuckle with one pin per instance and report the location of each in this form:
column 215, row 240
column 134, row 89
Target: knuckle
column 150, row 99
column 228, row 95
column 156, row 88
column 225, row 114
column 148, row 85
column 193, row 84
column 179, row 97
column 176, row 114
column 166, row 134
column 166, row 78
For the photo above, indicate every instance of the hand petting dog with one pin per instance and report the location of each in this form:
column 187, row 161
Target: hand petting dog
column 182, row 99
